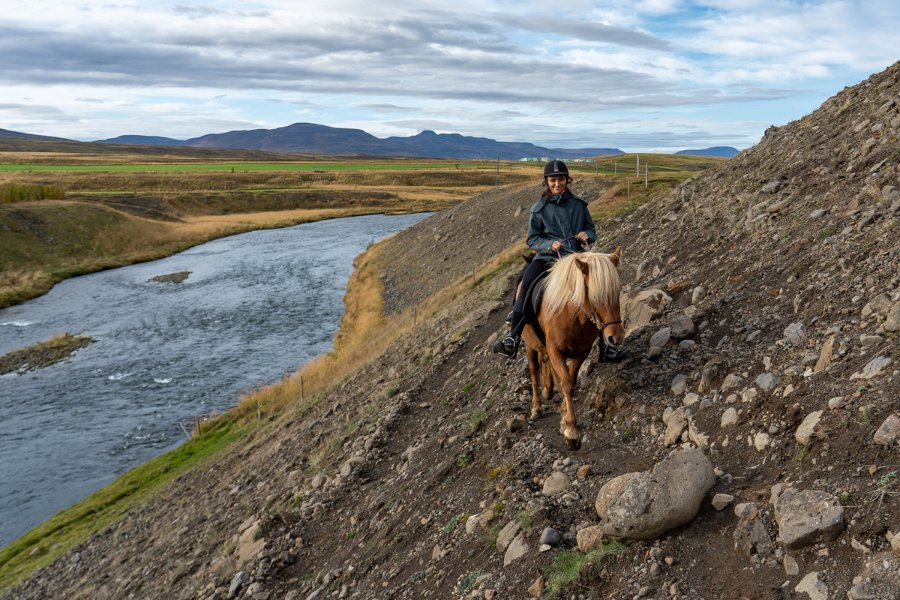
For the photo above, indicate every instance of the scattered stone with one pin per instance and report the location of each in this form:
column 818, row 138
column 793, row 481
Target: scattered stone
column 506, row 535
column 825, row 356
column 696, row 436
column 807, row 517
column 698, row 295
column 729, row 417
column 537, row 588
column 690, row 399
column 641, row 506
column 837, row 403
column 731, row 382
column 515, row 424
column 661, row 337
column 720, row 501
column 795, row 335
column 791, row 568
column 761, row 441
column 751, row 535
column 873, row 368
column 589, row 538
column 557, row 483
column 766, row 381
column 516, row 550
column 584, row 471
column 811, row 586
column 674, row 427
column 858, row 546
column 892, row 321
column 888, row 431
column 683, row 327
column 679, row 385
column 808, row 428
column 239, row 580
column 551, row 537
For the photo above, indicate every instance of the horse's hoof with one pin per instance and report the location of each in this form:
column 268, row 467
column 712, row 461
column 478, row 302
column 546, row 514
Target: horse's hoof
column 536, row 413
column 574, row 445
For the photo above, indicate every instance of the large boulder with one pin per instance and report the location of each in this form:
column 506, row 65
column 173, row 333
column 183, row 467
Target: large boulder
column 641, row 307
column 642, row 506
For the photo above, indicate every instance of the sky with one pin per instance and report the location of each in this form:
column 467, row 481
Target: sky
column 638, row 75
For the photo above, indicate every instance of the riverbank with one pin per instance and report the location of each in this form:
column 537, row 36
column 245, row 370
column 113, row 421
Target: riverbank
column 42, row 354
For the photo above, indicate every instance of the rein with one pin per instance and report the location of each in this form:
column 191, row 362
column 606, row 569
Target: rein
column 598, row 322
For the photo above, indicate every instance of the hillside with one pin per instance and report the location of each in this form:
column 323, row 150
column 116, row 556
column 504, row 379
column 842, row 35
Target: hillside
column 772, row 348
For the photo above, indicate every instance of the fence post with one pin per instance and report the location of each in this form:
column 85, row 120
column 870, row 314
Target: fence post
column 646, row 174
column 637, row 169
column 301, row 388
column 258, row 412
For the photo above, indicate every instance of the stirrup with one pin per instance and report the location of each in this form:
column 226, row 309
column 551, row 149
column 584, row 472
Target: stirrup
column 508, row 346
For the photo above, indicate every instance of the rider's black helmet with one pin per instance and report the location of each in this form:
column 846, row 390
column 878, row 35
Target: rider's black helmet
column 556, row 167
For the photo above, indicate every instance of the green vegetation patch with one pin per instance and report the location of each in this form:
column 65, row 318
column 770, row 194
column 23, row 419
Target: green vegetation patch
column 45, row 543
column 243, row 167
column 178, row 277
column 42, row 354
column 569, row 565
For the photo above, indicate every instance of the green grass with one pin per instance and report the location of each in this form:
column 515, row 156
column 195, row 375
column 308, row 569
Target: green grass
column 245, row 167
column 24, row 192
column 43, row 544
column 569, row 565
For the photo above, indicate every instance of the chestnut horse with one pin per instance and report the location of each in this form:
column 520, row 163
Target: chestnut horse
column 581, row 301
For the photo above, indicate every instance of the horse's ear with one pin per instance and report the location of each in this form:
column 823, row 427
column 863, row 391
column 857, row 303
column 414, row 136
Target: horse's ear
column 583, row 266
column 615, row 256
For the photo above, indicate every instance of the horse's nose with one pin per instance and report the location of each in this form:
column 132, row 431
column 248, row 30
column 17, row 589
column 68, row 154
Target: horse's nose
column 615, row 338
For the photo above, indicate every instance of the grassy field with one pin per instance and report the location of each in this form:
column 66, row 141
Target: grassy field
column 243, row 167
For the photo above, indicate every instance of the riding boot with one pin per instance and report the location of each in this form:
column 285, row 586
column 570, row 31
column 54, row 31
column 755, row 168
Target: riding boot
column 509, row 345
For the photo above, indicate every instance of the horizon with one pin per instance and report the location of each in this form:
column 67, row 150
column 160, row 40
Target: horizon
column 655, row 76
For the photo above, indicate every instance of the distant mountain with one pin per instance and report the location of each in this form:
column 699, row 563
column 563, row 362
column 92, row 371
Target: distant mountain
column 6, row 133
column 726, row 151
column 311, row 138
column 144, row 140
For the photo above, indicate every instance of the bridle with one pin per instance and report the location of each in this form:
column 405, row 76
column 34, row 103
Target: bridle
column 598, row 322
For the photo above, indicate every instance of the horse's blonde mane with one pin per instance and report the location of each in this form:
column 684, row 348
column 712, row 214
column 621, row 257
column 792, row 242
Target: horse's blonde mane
column 565, row 285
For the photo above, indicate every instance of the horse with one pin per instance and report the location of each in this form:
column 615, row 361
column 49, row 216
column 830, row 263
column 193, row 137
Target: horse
column 580, row 302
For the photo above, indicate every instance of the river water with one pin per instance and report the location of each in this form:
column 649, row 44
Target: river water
column 255, row 307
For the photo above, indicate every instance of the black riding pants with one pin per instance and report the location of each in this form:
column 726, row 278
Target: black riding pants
column 532, row 272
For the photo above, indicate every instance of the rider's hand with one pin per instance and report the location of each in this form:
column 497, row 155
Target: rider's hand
column 583, row 237
column 555, row 246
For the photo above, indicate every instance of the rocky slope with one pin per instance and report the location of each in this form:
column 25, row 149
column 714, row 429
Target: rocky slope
column 763, row 306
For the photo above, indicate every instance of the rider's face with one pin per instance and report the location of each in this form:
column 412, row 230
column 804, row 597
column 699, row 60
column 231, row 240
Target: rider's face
column 557, row 184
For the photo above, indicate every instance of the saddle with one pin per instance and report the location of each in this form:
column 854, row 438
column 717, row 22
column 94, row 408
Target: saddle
column 533, row 297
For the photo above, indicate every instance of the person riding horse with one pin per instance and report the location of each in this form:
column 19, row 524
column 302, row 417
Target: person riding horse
column 560, row 223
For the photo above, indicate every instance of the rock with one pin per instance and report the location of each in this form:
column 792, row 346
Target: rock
column 690, row 399
column 537, row 588
column 654, row 352
column 825, row 356
column 589, row 538
column 711, row 375
column 641, row 506
column 807, row 517
column 892, row 322
column 674, row 427
column 248, row 544
column 795, row 335
column 506, row 535
column 808, row 428
column 318, row 481
column 888, row 432
column 679, row 385
column 811, row 586
column 731, row 382
column 642, row 307
column 729, row 417
column 557, row 482
column 880, row 576
column 661, row 337
column 698, row 295
column 791, row 568
column 761, row 441
column 766, row 381
column 751, row 535
column 895, row 545
column 584, row 471
column 720, row 501
column 551, row 537
column 516, row 550
column 696, row 436
column 872, row 369
column 683, row 327
column 239, row 580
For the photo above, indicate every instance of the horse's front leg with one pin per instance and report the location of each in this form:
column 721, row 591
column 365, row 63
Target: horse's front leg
column 547, row 377
column 567, row 424
column 534, row 367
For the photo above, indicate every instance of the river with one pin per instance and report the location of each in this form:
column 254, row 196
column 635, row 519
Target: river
column 255, row 307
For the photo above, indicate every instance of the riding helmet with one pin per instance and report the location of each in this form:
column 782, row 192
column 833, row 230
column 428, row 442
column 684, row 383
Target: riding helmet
column 556, row 167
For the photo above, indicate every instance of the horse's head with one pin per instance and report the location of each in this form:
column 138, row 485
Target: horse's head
column 602, row 291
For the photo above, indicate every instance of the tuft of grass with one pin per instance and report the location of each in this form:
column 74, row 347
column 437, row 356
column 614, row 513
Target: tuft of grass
column 466, row 583
column 24, row 192
column 570, row 564
column 477, row 420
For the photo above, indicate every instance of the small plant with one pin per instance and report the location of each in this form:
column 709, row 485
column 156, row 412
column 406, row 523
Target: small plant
column 464, row 460
column 468, row 387
column 886, row 479
column 495, row 472
column 392, row 392
column 476, row 420
column 526, row 517
column 351, row 534
column 802, row 454
column 569, row 565
column 466, row 583
column 451, row 525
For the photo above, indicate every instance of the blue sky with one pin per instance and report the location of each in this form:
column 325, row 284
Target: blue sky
column 654, row 75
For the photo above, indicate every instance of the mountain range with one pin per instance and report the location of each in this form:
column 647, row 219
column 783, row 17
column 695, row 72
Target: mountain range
column 310, row 138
